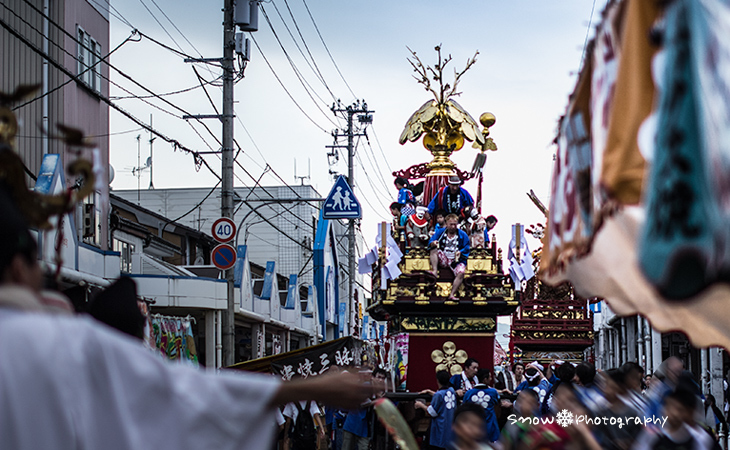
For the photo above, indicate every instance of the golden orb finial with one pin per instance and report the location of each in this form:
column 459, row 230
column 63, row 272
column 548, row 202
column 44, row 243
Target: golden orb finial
column 487, row 119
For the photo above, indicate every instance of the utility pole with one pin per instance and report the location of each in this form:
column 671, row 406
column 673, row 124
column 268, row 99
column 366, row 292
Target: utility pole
column 364, row 117
column 246, row 18
column 229, row 32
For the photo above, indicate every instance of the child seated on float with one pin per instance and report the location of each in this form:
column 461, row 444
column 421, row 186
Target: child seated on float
column 399, row 220
column 440, row 221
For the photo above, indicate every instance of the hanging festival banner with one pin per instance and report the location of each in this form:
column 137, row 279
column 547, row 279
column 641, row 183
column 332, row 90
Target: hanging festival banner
column 623, row 167
column 174, row 338
column 686, row 240
column 604, row 73
column 687, row 197
column 569, row 227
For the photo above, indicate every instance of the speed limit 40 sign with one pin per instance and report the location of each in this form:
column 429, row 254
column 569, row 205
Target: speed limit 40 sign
column 224, row 229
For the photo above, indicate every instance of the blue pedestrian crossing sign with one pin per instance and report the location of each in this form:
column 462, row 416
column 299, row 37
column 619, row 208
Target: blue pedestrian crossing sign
column 341, row 203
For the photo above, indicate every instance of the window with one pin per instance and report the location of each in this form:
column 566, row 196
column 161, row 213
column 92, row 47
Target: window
column 89, row 60
column 126, row 249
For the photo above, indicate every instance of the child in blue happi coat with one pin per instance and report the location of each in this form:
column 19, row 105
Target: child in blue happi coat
column 405, row 196
column 441, row 411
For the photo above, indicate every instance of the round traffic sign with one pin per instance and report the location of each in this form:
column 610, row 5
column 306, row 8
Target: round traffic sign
column 224, row 229
column 223, row 256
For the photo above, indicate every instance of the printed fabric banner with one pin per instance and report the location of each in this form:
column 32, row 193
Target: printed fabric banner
column 569, row 228
column 605, row 56
column 174, row 338
column 686, row 240
column 623, row 169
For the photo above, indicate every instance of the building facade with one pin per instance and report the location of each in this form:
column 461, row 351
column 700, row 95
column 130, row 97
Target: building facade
column 59, row 45
column 278, row 225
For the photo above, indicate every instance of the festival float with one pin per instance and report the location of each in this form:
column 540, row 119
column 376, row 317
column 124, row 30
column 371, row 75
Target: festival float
column 428, row 330
column 553, row 322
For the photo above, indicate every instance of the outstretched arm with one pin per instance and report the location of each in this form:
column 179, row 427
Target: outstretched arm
column 342, row 390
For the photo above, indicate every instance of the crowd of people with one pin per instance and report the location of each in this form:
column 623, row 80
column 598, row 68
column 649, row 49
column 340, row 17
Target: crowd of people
column 572, row 406
column 449, row 227
column 530, row 406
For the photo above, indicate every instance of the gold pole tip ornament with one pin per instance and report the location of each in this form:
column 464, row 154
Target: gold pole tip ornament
column 487, row 119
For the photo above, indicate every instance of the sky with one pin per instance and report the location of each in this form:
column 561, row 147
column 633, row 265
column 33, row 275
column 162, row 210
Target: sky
column 529, row 54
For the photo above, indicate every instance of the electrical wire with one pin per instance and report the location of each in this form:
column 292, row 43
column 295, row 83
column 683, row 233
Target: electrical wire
column 160, row 24
column 181, row 91
column 588, row 31
column 284, row 87
column 89, row 136
column 193, row 208
column 179, row 31
column 377, row 141
column 199, row 160
column 374, row 163
column 112, row 11
column 326, row 48
column 240, row 149
column 111, row 66
column 313, row 65
column 374, row 190
column 307, row 87
column 51, row 91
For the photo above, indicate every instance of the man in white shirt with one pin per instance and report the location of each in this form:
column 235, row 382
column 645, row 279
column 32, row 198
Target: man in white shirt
column 69, row 382
column 467, row 379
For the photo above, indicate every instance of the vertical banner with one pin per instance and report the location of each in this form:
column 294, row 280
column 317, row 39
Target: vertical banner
column 269, row 280
column 342, row 318
column 401, row 357
column 292, row 294
column 174, row 338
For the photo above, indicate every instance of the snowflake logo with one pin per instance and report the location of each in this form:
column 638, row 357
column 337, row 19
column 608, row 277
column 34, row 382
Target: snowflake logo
column 565, row 418
column 481, row 398
column 450, row 400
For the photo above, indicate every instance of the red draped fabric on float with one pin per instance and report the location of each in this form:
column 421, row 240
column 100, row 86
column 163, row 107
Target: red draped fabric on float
column 432, row 185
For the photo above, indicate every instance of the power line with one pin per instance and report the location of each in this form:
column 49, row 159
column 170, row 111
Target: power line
column 307, row 87
column 199, row 160
column 160, row 24
column 113, row 12
column 51, row 91
column 371, row 186
column 181, row 91
column 176, row 28
column 376, row 190
column 315, row 69
column 284, row 87
column 374, row 163
column 588, row 31
column 193, row 208
column 240, row 149
column 377, row 141
column 180, row 32
column 133, row 130
column 326, row 48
